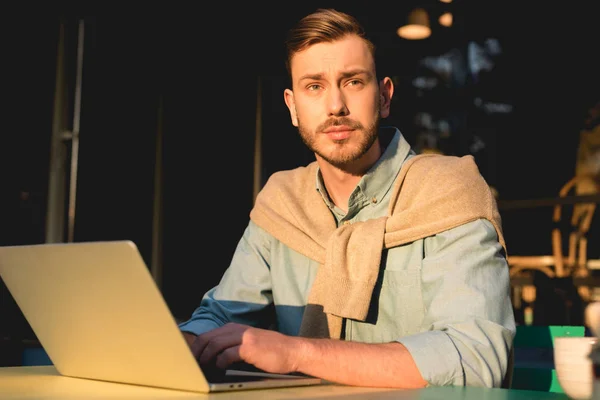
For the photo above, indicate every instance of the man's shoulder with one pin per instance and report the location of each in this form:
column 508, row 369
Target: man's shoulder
column 426, row 161
column 426, row 176
column 435, row 167
column 291, row 177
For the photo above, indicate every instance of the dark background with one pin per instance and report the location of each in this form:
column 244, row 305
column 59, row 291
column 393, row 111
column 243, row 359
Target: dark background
column 204, row 66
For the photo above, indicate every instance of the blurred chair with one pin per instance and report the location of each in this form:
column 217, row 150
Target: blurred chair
column 533, row 367
column 569, row 256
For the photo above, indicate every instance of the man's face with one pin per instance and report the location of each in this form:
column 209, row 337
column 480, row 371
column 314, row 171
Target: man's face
column 335, row 101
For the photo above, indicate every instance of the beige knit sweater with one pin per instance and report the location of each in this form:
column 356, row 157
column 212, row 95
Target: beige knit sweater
column 432, row 193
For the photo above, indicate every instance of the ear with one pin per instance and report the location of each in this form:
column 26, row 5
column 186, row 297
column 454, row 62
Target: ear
column 288, row 97
column 386, row 91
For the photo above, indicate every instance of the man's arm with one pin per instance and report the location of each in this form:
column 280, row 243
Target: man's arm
column 345, row 362
column 468, row 327
column 360, row 364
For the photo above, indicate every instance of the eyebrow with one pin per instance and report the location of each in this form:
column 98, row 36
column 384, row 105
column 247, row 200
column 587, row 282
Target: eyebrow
column 344, row 75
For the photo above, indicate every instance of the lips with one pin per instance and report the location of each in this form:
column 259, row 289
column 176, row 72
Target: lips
column 338, row 128
column 338, row 132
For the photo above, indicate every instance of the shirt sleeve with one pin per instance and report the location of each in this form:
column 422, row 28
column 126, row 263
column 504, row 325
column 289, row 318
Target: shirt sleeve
column 244, row 293
column 469, row 318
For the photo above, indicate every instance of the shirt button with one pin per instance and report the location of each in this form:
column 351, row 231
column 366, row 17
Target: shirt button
column 347, row 222
column 374, row 200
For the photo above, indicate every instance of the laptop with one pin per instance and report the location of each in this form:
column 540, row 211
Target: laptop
column 98, row 314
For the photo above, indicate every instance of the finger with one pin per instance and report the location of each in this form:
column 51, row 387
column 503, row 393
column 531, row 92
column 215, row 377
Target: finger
column 219, row 344
column 229, row 356
column 189, row 338
column 203, row 339
column 198, row 345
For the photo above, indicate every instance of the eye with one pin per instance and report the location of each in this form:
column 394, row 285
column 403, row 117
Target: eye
column 354, row 82
column 313, row 87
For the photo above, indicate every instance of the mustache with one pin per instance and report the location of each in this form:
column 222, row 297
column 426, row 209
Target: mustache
column 339, row 122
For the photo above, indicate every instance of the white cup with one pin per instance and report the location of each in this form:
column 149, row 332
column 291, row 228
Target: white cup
column 573, row 365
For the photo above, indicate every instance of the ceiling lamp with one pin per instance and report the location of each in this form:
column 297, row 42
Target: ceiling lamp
column 446, row 1
column 417, row 26
column 446, row 19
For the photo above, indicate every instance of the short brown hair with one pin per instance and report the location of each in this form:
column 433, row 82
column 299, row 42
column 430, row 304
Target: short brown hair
column 323, row 25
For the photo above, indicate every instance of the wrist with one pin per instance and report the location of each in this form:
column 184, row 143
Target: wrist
column 302, row 350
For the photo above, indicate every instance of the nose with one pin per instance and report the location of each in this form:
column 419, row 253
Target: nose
column 336, row 103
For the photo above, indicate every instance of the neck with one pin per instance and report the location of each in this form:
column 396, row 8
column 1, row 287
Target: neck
column 340, row 183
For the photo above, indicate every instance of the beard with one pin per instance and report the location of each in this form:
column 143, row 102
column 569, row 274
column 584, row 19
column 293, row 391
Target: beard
column 346, row 151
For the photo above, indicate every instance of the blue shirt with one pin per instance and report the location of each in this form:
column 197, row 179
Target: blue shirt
column 445, row 297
